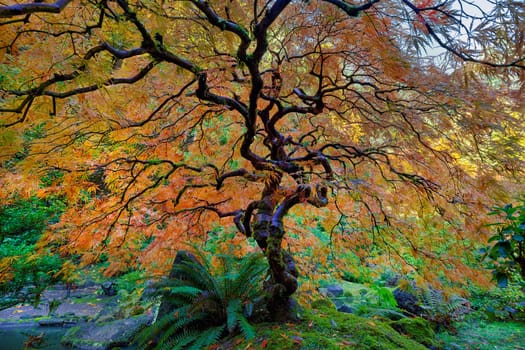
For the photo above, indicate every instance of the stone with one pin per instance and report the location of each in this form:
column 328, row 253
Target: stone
column 107, row 335
column 346, row 309
column 322, row 303
column 109, row 288
column 335, row 291
column 51, row 322
column 182, row 257
column 408, row 301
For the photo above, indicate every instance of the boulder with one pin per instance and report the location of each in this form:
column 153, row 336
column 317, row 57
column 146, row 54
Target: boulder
column 181, row 257
column 51, row 322
column 408, row 302
column 335, row 291
column 345, row 308
column 109, row 288
column 105, row 336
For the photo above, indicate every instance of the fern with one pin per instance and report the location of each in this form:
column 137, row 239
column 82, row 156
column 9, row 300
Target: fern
column 206, row 306
column 181, row 291
column 181, row 341
column 246, row 328
column 440, row 311
column 232, row 314
column 207, row 338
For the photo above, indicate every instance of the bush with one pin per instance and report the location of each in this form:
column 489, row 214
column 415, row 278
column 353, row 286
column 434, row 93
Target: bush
column 23, row 273
column 501, row 304
column 507, row 252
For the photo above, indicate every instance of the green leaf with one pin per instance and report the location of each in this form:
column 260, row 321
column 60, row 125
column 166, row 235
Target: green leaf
column 502, row 249
column 518, row 238
column 494, row 238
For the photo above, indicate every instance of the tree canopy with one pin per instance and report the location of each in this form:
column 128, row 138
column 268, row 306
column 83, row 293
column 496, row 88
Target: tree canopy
column 392, row 125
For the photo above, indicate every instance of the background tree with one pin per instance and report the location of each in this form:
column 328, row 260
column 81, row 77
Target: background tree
column 161, row 119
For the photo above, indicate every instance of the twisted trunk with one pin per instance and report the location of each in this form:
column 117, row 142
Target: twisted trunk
column 268, row 231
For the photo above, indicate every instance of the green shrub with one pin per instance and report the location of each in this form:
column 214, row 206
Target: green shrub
column 24, row 274
column 507, row 252
column 500, row 304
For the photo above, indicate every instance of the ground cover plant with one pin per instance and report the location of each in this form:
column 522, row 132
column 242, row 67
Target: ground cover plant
column 322, row 132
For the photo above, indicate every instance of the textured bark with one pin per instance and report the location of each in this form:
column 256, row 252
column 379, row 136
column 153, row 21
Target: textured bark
column 268, row 231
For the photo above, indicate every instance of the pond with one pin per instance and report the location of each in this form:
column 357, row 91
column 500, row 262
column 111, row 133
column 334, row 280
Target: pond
column 15, row 337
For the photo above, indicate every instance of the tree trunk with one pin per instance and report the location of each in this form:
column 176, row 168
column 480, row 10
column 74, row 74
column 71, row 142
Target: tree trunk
column 268, row 231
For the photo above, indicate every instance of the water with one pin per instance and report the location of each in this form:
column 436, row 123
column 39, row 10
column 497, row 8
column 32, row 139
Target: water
column 15, row 338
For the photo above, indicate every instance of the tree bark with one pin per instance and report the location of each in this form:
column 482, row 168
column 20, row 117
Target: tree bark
column 268, row 231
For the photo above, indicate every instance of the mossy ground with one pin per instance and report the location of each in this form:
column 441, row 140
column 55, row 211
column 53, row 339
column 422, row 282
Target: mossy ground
column 416, row 328
column 485, row 336
column 324, row 328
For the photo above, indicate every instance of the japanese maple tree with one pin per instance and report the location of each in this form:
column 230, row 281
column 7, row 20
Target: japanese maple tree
column 160, row 119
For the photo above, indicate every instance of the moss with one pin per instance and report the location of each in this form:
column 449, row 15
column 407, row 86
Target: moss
column 355, row 290
column 416, row 328
column 70, row 336
column 325, row 328
column 322, row 304
column 91, row 299
column 481, row 335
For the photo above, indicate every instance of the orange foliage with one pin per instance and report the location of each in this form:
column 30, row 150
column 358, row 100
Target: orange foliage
column 163, row 124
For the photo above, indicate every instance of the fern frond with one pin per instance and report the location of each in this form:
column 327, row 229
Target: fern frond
column 180, row 291
column 246, row 328
column 178, row 325
column 207, row 338
column 233, row 310
column 183, row 340
column 151, row 332
column 168, row 345
column 208, row 305
column 196, row 275
column 148, row 333
column 248, row 278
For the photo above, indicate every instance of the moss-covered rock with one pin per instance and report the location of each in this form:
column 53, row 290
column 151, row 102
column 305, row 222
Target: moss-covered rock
column 325, row 328
column 322, row 304
column 416, row 328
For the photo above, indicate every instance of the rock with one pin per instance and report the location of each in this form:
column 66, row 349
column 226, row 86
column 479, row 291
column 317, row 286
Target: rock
column 182, row 257
column 338, row 302
column 335, row 291
column 346, row 309
column 408, row 301
column 149, row 290
column 416, row 328
column 109, row 288
column 322, row 303
column 323, row 292
column 51, row 322
column 103, row 336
